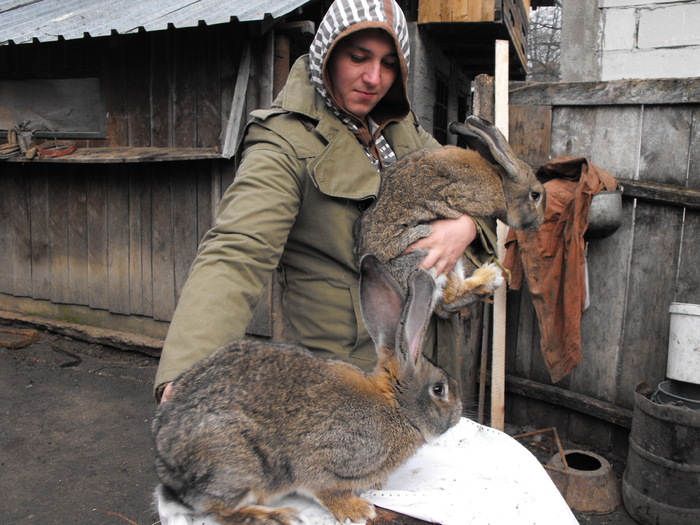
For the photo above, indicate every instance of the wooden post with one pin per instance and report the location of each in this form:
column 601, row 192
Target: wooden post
column 483, row 106
column 281, row 62
column 483, row 97
column 233, row 128
column 499, row 311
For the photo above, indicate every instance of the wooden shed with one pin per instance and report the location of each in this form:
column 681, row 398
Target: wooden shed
column 154, row 99
column 488, row 20
column 105, row 236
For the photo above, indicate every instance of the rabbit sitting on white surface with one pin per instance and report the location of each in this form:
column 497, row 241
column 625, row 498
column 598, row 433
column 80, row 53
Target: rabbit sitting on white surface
column 472, row 474
column 256, row 421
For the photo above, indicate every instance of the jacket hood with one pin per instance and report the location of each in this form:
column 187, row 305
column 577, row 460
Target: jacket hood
column 347, row 16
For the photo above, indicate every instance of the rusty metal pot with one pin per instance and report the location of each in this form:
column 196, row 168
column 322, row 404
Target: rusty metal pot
column 605, row 214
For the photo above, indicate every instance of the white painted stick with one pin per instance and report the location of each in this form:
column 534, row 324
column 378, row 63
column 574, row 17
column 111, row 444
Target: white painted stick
column 498, row 369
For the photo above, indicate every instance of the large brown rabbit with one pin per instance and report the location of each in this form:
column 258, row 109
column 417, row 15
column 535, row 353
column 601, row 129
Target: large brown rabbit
column 256, row 420
column 488, row 180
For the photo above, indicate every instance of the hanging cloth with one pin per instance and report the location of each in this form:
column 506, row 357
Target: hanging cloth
column 552, row 260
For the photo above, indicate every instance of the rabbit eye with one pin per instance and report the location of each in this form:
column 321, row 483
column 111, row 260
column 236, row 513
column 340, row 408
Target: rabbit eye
column 535, row 196
column 440, row 390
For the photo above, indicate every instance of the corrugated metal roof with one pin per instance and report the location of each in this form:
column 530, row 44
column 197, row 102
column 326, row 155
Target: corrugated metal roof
column 22, row 21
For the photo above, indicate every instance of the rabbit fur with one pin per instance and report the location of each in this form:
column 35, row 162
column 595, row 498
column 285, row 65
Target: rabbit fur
column 488, row 180
column 257, row 420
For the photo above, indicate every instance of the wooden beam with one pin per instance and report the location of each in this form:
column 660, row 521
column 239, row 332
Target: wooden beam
column 484, row 97
column 498, row 362
column 280, row 63
column 568, row 399
column 122, row 340
column 233, row 127
column 664, row 193
column 126, row 155
column 615, row 92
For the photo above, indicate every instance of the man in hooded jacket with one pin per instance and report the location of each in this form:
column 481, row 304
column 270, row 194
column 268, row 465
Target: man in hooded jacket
column 310, row 165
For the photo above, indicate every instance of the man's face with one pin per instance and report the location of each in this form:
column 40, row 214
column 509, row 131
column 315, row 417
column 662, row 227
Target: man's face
column 362, row 68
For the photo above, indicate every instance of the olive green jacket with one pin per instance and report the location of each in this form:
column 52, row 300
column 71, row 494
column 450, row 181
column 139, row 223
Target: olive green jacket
column 302, row 183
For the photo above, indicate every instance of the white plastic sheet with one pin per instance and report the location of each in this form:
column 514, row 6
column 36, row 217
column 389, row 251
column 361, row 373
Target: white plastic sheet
column 472, row 475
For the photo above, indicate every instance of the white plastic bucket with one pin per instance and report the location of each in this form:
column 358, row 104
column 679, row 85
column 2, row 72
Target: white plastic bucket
column 684, row 343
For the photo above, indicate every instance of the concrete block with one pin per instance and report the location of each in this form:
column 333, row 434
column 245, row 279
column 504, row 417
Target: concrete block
column 581, row 41
column 604, row 4
column 620, row 29
column 669, row 26
column 681, row 62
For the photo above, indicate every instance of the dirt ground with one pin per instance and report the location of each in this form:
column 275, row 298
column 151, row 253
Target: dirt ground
column 75, row 442
column 74, row 434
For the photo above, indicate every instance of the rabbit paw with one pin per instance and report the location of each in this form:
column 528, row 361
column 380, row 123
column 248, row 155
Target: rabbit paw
column 345, row 505
column 480, row 284
column 488, row 277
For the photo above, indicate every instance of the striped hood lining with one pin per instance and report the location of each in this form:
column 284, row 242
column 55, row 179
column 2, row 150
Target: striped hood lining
column 347, row 16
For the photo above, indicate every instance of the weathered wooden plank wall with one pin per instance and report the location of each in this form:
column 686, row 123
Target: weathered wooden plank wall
column 119, row 238
column 112, row 235
column 639, row 130
column 161, row 89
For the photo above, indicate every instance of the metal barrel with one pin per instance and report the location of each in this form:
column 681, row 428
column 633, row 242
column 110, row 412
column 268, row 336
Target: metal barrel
column 661, row 483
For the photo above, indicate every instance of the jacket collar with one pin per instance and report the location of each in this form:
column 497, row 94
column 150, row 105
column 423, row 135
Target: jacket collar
column 296, row 97
column 330, row 170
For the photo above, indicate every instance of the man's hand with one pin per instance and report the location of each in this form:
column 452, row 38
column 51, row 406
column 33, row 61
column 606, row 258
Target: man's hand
column 446, row 243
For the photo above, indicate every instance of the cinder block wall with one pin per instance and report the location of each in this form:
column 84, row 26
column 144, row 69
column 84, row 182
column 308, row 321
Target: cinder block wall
column 643, row 39
column 621, row 39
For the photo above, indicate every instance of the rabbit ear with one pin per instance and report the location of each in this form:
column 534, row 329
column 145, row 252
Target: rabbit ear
column 417, row 312
column 381, row 301
column 485, row 138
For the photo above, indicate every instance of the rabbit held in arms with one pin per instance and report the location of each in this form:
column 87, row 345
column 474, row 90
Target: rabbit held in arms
column 258, row 420
column 487, row 180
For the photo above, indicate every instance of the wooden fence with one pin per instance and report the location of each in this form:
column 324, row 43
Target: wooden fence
column 112, row 237
column 647, row 134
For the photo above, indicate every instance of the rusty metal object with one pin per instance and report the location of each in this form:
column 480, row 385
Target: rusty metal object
column 586, row 480
column 55, row 148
